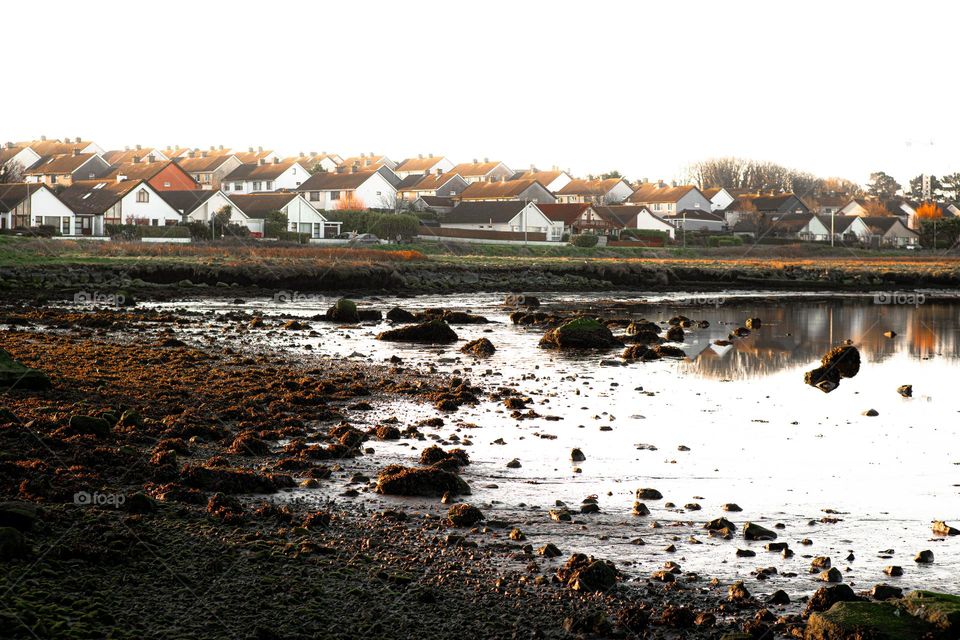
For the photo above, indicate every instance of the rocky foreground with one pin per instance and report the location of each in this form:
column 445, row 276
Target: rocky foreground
column 141, row 478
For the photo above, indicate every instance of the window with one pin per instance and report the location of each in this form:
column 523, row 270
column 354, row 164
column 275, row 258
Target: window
column 143, row 196
column 238, row 186
column 256, row 186
column 334, row 195
column 269, row 185
column 53, row 179
column 378, row 193
column 155, row 223
column 314, row 196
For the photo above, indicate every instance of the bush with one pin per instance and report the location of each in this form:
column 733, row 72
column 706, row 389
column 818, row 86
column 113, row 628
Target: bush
column 293, row 236
column 133, row 232
column 585, row 240
column 724, row 241
column 383, row 225
column 275, row 224
column 625, row 234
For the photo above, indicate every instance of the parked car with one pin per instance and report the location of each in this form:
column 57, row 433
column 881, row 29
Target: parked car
column 367, row 238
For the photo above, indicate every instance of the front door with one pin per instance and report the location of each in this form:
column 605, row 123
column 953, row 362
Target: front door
column 86, row 225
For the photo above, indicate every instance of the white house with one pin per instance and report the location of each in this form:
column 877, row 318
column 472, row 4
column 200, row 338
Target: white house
column 603, row 192
column 265, row 176
column 117, row 202
column 349, row 190
column 553, row 180
column 697, row 220
column 423, row 165
column 511, row 216
column 485, row 171
column 526, row 190
column 884, row 231
column 64, row 169
column 664, row 200
column 13, row 154
column 648, row 220
column 314, row 161
column 719, row 198
column 366, row 162
column 821, row 227
column 252, row 210
column 24, row 205
column 197, row 205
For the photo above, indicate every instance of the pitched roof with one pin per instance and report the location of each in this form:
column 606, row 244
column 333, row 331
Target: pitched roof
column 127, row 155
column 696, row 214
column 422, row 163
column 880, row 225
column 565, row 213
column 364, row 162
column 508, row 189
column 96, row 196
column 6, row 153
column 589, row 187
column 622, row 215
column 55, row 147
column 258, row 205
column 652, row 192
column 13, row 193
column 543, row 177
column 199, row 164
column 63, row 163
column 251, row 156
column 187, row 201
column 333, row 181
column 771, row 202
column 710, row 193
column 483, row 212
column 840, row 223
column 254, row 171
column 138, row 170
column 430, row 182
column 437, row 201
column 474, row 169
column 792, row 222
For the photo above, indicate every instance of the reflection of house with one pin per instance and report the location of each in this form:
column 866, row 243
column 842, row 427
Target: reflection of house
column 526, row 190
column 512, row 216
column 24, row 205
column 603, row 192
column 349, row 190
column 117, row 202
column 253, row 209
column 663, row 200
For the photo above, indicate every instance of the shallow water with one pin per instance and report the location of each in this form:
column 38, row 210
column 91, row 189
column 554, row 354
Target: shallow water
column 758, row 436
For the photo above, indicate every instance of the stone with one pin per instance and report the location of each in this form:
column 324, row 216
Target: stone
column 753, row 323
column 871, row 413
column 464, row 515
column 753, row 531
column 430, row 332
column 893, row 571
column 580, row 333
column 649, row 494
column 560, row 515
column 400, row 316
column 549, row 550
column 422, row 481
column 720, row 524
column 885, row 592
column 778, row 597
column 820, row 562
column 905, row 390
column 517, row 535
column 595, row 576
column 831, row 575
column 939, row 609
column 737, row 592
column 640, row 509
column 513, row 464
column 924, row 557
column 481, row 347
column 731, row 507
column 576, row 455
column 874, row 620
column 90, row 425
column 344, row 311
column 746, row 553
column 941, row 528
column 826, row 597
column 15, row 375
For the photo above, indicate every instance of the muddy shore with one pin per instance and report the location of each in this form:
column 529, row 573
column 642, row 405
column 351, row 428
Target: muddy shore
column 164, row 280
column 181, row 533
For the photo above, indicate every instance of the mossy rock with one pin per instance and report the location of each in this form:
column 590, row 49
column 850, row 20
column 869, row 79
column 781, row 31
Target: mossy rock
column 858, row 620
column 939, row 609
column 419, row 481
column 14, row 375
column 432, row 332
column 580, row 333
column 344, row 310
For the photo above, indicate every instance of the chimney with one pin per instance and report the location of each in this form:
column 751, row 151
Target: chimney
column 203, row 154
column 43, row 138
column 430, row 155
column 249, row 149
column 191, row 154
column 486, row 159
column 420, row 156
column 126, row 148
column 259, row 149
column 169, row 148
column 9, row 145
column 340, row 168
column 353, row 169
column 138, row 147
column 76, row 152
column 475, row 161
column 221, row 147
column 276, row 160
column 261, row 162
column 77, row 140
column 300, row 155
column 121, row 177
column 532, row 168
column 136, row 159
column 151, row 158
column 313, row 153
column 363, row 155
column 212, row 148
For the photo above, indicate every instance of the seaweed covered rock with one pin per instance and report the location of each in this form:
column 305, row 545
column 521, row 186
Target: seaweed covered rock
column 939, row 609
column 860, row 620
column 400, row 316
column 233, row 480
column 826, row 597
column 462, row 317
column 225, row 508
column 15, row 375
column 639, row 352
column 481, row 347
column 419, row 481
column 668, row 351
column 580, row 333
column 840, row 362
column 675, row 333
column 343, row 311
column 449, row 460
column 581, row 573
column 430, row 332
column 464, row 515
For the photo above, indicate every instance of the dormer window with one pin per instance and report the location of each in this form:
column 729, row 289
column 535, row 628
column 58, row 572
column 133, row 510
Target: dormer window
column 143, row 196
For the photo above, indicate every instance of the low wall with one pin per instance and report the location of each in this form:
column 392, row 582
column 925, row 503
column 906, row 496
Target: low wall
column 171, row 240
column 482, row 234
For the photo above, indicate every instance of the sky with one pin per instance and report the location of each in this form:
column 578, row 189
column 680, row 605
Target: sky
column 838, row 88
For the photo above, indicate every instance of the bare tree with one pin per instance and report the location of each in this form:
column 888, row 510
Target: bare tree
column 11, row 172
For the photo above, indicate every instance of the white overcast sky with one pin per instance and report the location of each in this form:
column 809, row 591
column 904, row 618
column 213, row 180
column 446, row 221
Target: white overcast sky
column 836, row 88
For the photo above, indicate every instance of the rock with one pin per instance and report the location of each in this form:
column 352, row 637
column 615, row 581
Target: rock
column 633, row 618
column 893, row 571
column 668, row 351
column 746, row 553
column 905, row 390
column 737, row 592
column 464, row 515
column 344, row 311
column 560, row 515
column 513, row 464
column 731, row 507
column 845, row 359
column 388, row 432
column 778, row 597
column 19, row 515
column 579, row 333
column 752, row 531
column 640, row 509
column 12, row 544
column 675, row 334
column 941, row 528
column 890, row 334
column 430, row 332
column 677, row 617
column 480, row 347
column 885, row 592
column 597, row 575
column 862, row 620
column 826, row 597
column 225, row 508
column 400, row 316
column 15, row 375
column 139, row 503
column 649, row 494
column 593, row 623
column 663, row 576
column 90, row 425
column 924, row 557
column 290, row 325
column 422, row 481
column 639, row 352
column 517, row 535
column 820, row 562
column 720, row 524
column 576, row 455
column 823, row 378
column 521, row 300
column 938, row 609
column 549, row 550
column 753, row 323
column 871, row 413
column 450, row 460
column 831, row 575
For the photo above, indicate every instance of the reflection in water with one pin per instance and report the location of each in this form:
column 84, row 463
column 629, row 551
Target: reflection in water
column 797, row 334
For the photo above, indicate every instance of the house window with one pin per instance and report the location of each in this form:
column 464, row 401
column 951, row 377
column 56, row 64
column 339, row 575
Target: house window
column 334, row 195
column 269, row 185
column 256, row 186
column 238, row 186
column 143, row 196
column 314, row 196
column 378, row 193
column 155, row 223
column 53, row 179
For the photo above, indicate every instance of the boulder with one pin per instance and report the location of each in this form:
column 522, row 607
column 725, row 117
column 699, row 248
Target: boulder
column 576, row 455
column 593, row 576
column 668, row 351
column 924, row 557
column 905, row 390
column 938, row 609
column 873, row 620
column 826, row 597
column 430, row 332
column 481, row 347
column 343, row 311
column 885, row 592
column 549, row 550
column 675, row 334
column 720, row 524
column 737, row 592
column 639, row 352
column 579, row 333
column 400, row 316
column 941, row 528
column 90, row 425
column 464, row 515
column 831, row 575
column 14, row 375
column 844, row 358
column 752, row 531
column 422, row 481
column 647, row 493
